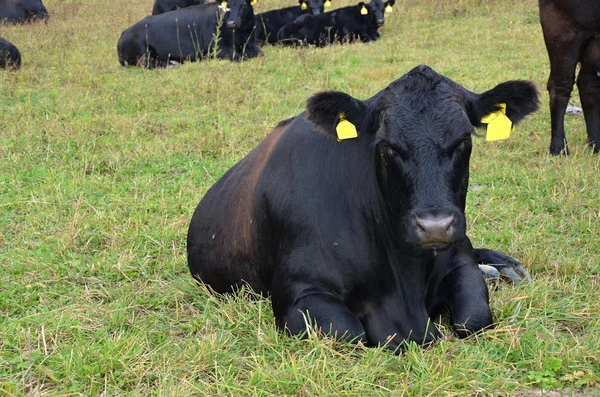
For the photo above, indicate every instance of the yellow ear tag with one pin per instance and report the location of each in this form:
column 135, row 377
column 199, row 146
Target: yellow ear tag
column 224, row 4
column 303, row 6
column 327, row 3
column 253, row 2
column 499, row 126
column 389, row 9
column 345, row 129
column 364, row 11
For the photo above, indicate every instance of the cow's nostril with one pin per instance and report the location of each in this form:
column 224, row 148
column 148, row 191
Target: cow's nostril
column 434, row 229
column 231, row 24
column 441, row 223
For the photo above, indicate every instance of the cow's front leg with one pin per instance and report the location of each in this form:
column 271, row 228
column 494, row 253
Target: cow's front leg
column 321, row 311
column 251, row 49
column 466, row 295
column 493, row 264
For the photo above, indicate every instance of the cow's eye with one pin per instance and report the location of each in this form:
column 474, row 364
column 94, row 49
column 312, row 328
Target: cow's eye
column 394, row 152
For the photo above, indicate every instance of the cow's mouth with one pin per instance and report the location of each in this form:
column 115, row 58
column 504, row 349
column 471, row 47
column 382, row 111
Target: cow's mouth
column 435, row 245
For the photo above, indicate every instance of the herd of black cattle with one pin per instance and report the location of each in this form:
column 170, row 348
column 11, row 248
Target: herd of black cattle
column 229, row 29
column 351, row 215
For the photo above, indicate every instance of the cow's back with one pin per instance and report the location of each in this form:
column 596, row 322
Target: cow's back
column 226, row 241
column 181, row 33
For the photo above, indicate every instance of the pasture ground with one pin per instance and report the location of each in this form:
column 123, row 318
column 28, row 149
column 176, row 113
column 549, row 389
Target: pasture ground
column 101, row 168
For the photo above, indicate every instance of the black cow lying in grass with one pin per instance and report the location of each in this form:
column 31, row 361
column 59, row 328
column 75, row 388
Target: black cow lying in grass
column 571, row 30
column 162, row 6
column 189, row 34
column 268, row 23
column 346, row 24
column 10, row 57
column 21, row 11
column 351, row 215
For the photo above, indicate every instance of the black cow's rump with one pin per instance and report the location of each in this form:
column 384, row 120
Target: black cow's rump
column 10, row 57
column 189, row 34
column 346, row 24
column 162, row 6
column 364, row 237
column 268, row 23
column 571, row 30
column 21, row 11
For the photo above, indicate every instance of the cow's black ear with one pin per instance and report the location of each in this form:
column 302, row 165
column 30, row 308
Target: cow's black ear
column 325, row 110
column 390, row 3
column 520, row 96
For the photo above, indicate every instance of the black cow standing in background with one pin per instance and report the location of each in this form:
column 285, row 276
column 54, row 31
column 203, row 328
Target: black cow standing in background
column 268, row 23
column 21, row 11
column 189, row 34
column 162, row 6
column 364, row 237
column 10, row 57
column 345, row 24
column 571, row 30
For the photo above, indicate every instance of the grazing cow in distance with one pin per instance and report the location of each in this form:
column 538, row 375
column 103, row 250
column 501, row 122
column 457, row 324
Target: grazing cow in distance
column 571, row 30
column 10, row 57
column 21, row 11
column 351, row 215
column 162, row 6
column 345, row 24
column 190, row 34
column 268, row 23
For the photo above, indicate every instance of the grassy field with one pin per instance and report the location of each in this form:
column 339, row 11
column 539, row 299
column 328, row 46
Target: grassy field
column 101, row 168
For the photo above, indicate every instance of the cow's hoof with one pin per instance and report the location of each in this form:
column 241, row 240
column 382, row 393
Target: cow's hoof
column 573, row 110
column 559, row 150
column 512, row 271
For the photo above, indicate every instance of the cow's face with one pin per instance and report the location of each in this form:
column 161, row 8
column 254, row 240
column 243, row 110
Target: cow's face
column 421, row 128
column 314, row 7
column 378, row 8
column 238, row 11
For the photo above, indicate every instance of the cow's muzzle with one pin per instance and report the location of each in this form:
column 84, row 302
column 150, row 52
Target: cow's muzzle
column 380, row 22
column 231, row 25
column 434, row 229
column 316, row 11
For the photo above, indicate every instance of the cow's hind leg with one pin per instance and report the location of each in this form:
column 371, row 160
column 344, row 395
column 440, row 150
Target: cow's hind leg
column 588, row 83
column 493, row 264
column 466, row 295
column 563, row 43
column 323, row 312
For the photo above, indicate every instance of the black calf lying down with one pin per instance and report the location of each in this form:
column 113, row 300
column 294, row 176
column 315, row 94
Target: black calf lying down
column 358, row 22
column 162, row 6
column 189, row 34
column 22, row 11
column 268, row 23
column 10, row 57
column 351, row 215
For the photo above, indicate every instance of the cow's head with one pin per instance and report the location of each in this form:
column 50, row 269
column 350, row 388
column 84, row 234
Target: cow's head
column 420, row 129
column 34, row 9
column 314, row 7
column 239, row 11
column 378, row 8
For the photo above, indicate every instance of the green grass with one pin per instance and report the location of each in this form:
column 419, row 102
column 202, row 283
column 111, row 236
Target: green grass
column 101, row 168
